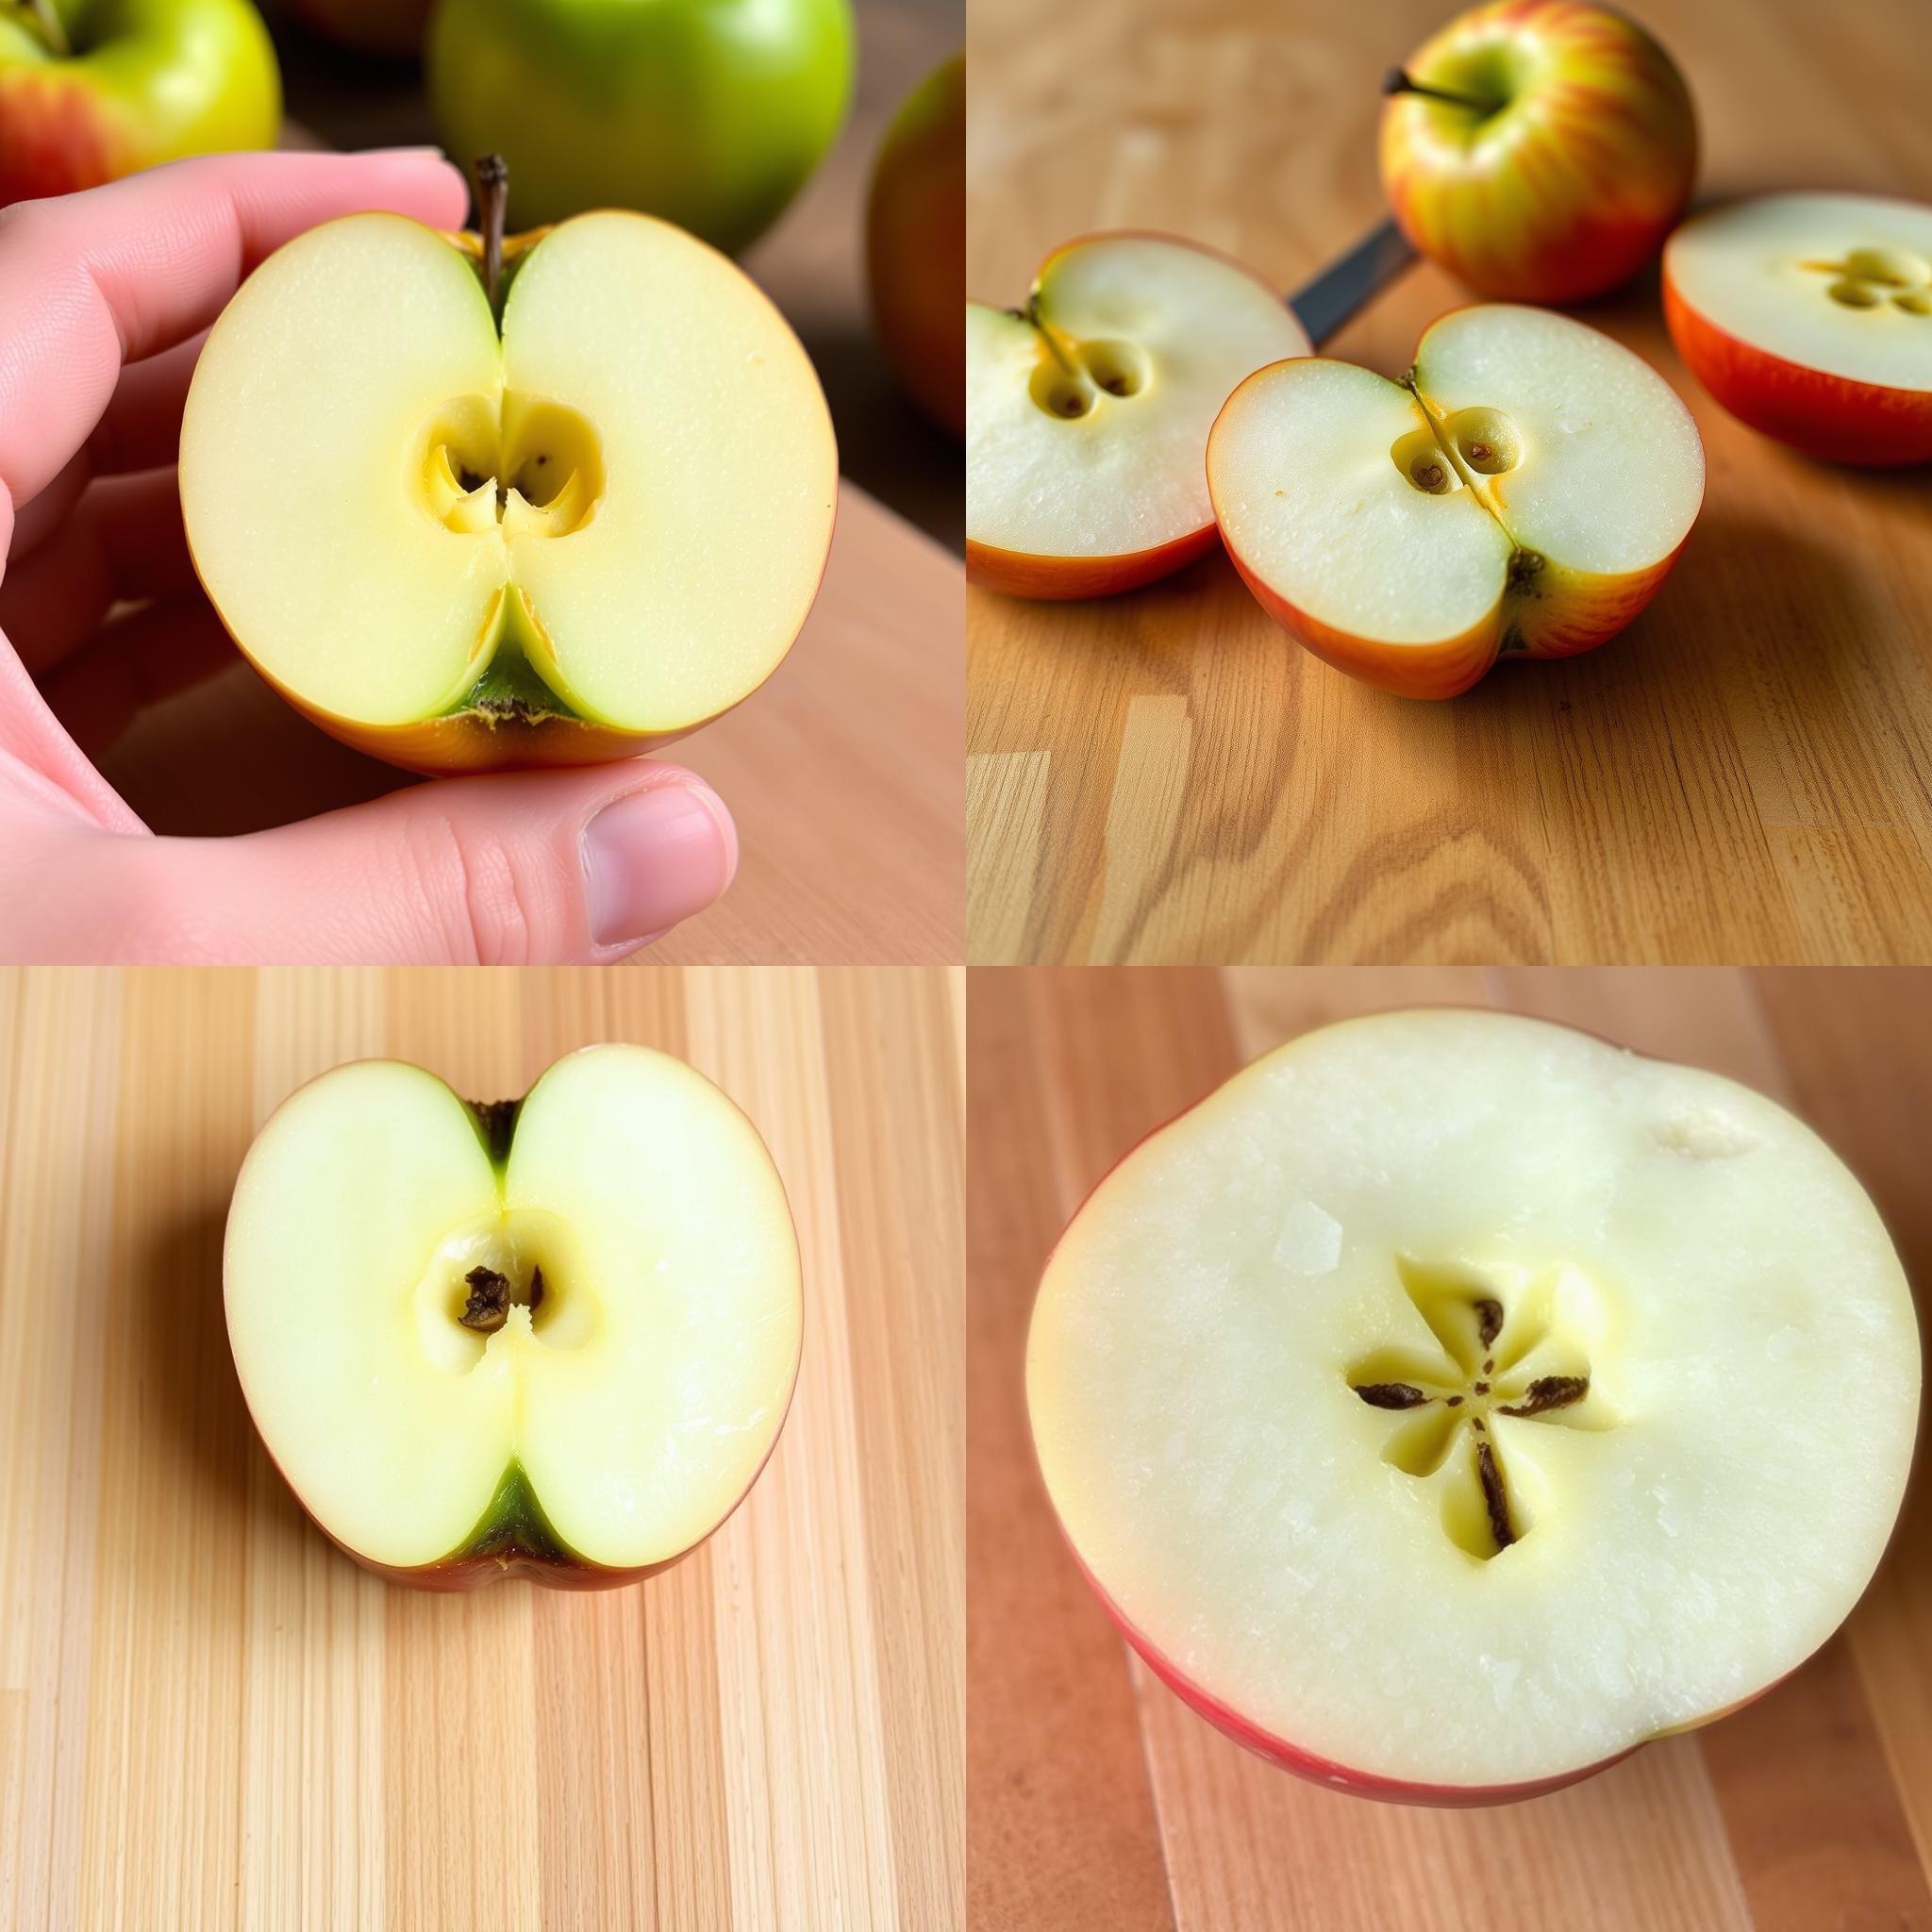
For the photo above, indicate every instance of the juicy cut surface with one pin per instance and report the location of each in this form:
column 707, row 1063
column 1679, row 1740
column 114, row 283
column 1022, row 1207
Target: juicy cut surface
column 1268, row 1354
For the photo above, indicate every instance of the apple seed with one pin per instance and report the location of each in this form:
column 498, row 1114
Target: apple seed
column 1393, row 1395
column 1549, row 1391
column 1495, row 1498
column 488, row 1308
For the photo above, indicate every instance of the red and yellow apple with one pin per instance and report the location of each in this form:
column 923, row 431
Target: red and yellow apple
column 392, row 28
column 553, row 522
column 1809, row 317
column 1526, row 489
column 553, row 1337
column 1452, row 1403
column 915, row 243
column 1539, row 149
column 93, row 90
column 1088, row 409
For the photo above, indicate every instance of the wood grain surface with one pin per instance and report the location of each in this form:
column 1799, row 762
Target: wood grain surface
column 841, row 769
column 1744, row 776
column 210, row 1719
column 1096, row 1799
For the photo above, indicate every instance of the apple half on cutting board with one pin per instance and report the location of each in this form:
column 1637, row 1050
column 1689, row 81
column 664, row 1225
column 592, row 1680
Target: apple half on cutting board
column 1525, row 489
column 1088, row 409
column 553, row 1337
column 1452, row 1401
column 552, row 525
column 1809, row 317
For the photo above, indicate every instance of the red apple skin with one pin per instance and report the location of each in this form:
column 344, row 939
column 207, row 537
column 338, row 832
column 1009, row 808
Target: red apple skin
column 1047, row 579
column 1830, row 417
column 1598, row 175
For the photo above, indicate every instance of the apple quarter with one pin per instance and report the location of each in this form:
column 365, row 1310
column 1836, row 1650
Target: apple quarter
column 555, row 1337
column 1452, row 1401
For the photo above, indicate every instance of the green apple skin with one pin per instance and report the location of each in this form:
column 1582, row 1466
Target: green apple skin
column 915, row 244
column 150, row 80
column 711, row 113
column 392, row 29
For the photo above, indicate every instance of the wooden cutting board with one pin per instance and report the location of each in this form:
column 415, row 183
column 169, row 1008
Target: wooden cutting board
column 843, row 770
column 1096, row 1799
column 209, row 1717
column 1744, row 776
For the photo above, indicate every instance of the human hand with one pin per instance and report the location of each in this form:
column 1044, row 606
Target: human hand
column 525, row 868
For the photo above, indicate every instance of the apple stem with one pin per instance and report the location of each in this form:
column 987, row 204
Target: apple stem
column 492, row 197
column 48, row 24
column 1397, row 82
column 1051, row 339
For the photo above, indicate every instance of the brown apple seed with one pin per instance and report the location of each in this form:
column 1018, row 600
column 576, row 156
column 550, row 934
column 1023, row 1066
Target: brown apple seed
column 488, row 1308
column 1391, row 1394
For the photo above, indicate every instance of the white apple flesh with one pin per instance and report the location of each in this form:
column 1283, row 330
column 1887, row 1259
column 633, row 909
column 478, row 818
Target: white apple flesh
column 592, row 532
column 556, row 1338
column 1453, row 1401
column 1524, row 490
column 1088, row 411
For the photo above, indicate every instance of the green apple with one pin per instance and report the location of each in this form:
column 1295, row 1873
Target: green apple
column 555, row 1336
column 466, row 529
column 915, row 243
column 93, row 90
column 391, row 28
column 708, row 113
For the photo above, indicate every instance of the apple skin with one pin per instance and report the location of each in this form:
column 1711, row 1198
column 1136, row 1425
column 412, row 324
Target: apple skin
column 915, row 244
column 171, row 78
column 1834, row 418
column 1583, row 174
column 390, row 29
column 711, row 113
column 1278, row 1750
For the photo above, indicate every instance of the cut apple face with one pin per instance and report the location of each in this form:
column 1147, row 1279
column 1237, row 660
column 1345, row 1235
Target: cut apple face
column 555, row 1336
column 1526, row 489
column 1088, row 410
column 1453, row 1401
column 459, row 548
column 1809, row 317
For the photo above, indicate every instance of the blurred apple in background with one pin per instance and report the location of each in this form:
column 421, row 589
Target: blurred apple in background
column 93, row 90
column 1539, row 149
column 711, row 113
column 392, row 28
column 915, row 243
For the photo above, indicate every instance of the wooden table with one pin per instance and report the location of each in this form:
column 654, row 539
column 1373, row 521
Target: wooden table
column 1096, row 1799
column 1744, row 776
column 211, row 1719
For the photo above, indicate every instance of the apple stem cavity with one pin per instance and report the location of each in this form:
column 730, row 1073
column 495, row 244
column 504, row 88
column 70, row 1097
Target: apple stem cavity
column 492, row 203
column 1396, row 81
column 45, row 22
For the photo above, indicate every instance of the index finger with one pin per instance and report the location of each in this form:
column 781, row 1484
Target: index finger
column 91, row 280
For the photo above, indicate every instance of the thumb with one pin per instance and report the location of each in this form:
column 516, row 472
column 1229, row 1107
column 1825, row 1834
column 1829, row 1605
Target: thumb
column 530, row 868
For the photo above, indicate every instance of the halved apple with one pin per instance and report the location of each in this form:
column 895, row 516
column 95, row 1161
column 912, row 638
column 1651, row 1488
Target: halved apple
column 1809, row 317
column 1453, row 1401
column 553, row 1337
column 1088, row 409
column 1526, row 488
column 463, row 549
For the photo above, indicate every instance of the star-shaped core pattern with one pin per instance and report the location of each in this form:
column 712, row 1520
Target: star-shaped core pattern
column 1494, row 1360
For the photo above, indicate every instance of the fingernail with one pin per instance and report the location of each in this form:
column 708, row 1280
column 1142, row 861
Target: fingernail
column 655, row 857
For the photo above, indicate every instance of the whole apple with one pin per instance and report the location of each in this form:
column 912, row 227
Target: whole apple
column 392, row 28
column 93, row 90
column 915, row 243
column 1539, row 149
column 711, row 113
